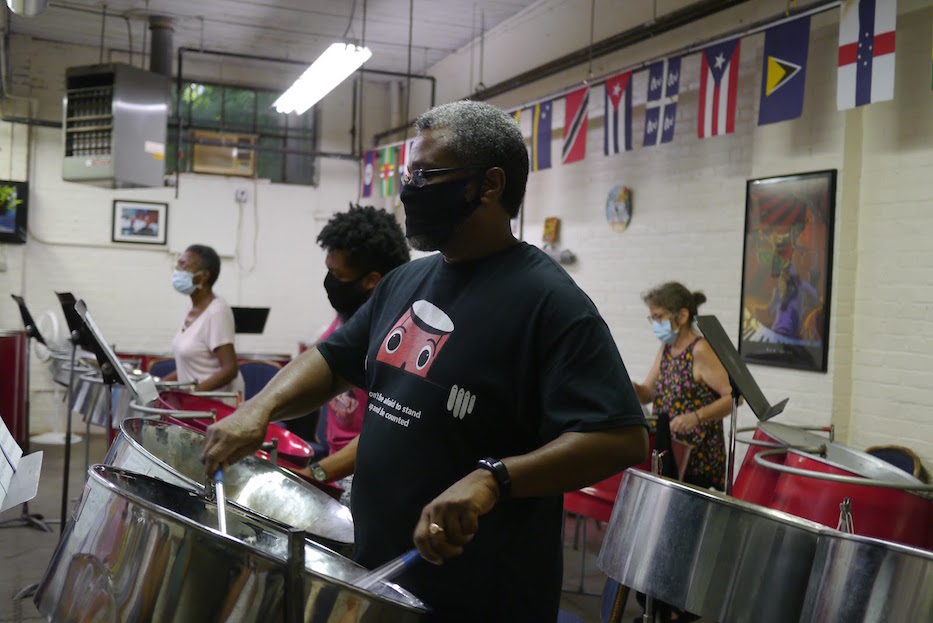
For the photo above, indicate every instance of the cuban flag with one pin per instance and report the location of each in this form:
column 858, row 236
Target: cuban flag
column 866, row 52
column 661, row 104
column 576, row 115
column 719, row 85
column 369, row 173
column 617, row 130
column 541, row 136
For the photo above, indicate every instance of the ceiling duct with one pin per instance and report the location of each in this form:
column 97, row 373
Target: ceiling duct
column 27, row 8
column 160, row 52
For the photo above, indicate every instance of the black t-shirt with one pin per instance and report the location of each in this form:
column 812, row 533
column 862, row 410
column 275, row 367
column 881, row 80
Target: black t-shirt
column 488, row 358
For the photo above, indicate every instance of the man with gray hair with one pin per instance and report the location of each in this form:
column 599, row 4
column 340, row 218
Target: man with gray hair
column 494, row 387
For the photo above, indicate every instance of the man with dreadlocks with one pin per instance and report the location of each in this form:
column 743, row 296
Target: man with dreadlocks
column 362, row 245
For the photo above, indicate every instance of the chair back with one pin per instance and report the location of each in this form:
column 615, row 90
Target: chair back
column 256, row 374
column 901, row 458
column 161, row 367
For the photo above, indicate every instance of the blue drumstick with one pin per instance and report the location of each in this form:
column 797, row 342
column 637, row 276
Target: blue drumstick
column 389, row 570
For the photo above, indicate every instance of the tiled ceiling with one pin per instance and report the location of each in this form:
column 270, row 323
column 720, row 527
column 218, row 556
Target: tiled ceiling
column 294, row 29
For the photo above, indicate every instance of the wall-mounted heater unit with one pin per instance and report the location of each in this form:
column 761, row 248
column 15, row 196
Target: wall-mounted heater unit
column 115, row 123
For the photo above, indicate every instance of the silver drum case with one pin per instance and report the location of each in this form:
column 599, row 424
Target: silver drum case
column 858, row 579
column 172, row 453
column 142, row 550
column 708, row 553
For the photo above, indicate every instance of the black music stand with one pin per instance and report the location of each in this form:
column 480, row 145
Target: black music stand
column 249, row 319
column 79, row 336
column 741, row 381
column 32, row 333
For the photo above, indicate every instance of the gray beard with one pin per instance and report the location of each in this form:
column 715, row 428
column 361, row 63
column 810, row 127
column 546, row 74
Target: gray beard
column 426, row 242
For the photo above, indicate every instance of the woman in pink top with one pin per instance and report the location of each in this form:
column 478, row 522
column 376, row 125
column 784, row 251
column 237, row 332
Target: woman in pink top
column 203, row 346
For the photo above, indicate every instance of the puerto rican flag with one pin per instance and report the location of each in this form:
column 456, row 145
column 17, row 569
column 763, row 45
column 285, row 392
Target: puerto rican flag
column 866, row 52
column 369, row 173
column 719, row 82
column 617, row 131
column 576, row 115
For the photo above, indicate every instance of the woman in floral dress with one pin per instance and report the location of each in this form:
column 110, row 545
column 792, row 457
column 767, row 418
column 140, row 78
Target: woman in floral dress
column 687, row 386
column 690, row 395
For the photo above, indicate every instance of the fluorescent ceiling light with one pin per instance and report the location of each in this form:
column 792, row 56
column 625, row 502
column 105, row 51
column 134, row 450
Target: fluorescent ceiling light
column 330, row 69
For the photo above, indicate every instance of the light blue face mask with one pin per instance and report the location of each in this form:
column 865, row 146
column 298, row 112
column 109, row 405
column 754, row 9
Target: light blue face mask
column 663, row 331
column 183, row 281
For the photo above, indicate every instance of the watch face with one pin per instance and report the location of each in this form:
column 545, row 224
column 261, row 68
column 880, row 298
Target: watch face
column 318, row 472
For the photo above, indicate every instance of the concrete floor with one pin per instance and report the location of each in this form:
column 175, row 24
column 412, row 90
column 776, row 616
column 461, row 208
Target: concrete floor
column 25, row 551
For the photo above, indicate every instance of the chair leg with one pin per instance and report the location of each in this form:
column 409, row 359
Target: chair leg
column 582, row 555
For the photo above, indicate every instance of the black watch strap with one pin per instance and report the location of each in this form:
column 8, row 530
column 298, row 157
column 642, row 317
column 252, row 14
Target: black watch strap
column 498, row 470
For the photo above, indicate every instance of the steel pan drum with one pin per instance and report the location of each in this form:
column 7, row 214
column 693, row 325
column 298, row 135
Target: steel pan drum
column 142, row 550
column 292, row 449
column 172, row 453
column 861, row 580
column 706, row 552
column 884, row 513
column 755, row 483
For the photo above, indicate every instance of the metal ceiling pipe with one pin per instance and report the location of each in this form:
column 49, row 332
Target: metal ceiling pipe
column 160, row 50
column 27, row 8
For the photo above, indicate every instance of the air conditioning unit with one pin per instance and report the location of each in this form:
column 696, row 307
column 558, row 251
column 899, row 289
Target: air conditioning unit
column 223, row 153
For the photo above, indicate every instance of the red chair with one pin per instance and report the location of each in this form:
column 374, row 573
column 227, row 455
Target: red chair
column 593, row 502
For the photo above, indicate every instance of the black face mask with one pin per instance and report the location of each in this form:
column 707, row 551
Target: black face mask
column 345, row 296
column 433, row 212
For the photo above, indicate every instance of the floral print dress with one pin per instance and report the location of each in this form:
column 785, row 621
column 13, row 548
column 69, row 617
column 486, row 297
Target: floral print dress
column 676, row 393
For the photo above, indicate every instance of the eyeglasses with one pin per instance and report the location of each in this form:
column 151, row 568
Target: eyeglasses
column 419, row 177
column 660, row 317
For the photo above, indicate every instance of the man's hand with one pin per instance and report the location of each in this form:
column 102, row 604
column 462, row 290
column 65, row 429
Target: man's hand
column 451, row 520
column 238, row 435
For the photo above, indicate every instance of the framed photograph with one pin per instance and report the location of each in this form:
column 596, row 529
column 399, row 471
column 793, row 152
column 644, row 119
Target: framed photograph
column 787, row 270
column 13, row 210
column 140, row 222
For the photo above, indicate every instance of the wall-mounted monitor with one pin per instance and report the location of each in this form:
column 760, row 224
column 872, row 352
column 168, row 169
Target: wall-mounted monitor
column 14, row 206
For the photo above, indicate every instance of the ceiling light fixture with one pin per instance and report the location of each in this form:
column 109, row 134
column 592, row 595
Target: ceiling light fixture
column 27, row 8
column 330, row 69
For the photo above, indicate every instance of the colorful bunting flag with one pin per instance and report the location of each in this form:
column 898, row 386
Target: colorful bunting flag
column 541, row 136
column 661, row 104
column 404, row 158
column 784, row 72
column 388, row 164
column 866, row 52
column 719, row 82
column 369, row 173
column 576, row 115
column 617, row 130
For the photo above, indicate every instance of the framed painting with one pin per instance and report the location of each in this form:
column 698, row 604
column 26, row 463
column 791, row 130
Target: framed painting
column 139, row 222
column 787, row 270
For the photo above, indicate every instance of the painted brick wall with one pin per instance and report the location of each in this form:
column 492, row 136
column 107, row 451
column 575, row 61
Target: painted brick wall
column 269, row 254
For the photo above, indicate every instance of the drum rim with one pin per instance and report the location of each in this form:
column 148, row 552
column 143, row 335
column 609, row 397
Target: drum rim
column 727, row 500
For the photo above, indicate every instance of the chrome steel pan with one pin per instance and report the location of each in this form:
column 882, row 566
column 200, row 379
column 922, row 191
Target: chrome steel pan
column 172, row 453
column 141, row 550
column 857, row 579
column 708, row 553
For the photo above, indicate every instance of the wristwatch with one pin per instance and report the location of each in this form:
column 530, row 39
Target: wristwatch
column 318, row 472
column 498, row 470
